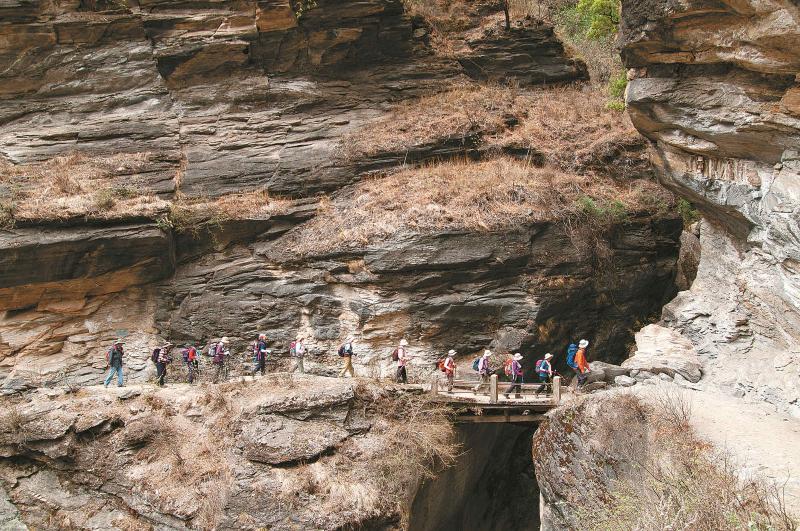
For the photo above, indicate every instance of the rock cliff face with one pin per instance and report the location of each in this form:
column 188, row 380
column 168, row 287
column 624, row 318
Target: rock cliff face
column 714, row 85
column 246, row 97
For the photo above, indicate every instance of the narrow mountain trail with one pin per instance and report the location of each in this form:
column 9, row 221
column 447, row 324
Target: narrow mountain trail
column 761, row 441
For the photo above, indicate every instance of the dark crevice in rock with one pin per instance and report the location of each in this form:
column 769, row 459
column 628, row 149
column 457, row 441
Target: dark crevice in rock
column 492, row 486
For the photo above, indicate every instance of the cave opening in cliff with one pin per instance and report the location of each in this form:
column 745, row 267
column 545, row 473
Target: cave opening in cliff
column 492, row 486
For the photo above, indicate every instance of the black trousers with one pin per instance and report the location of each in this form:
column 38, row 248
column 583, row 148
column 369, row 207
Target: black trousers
column 161, row 372
column 402, row 376
column 261, row 365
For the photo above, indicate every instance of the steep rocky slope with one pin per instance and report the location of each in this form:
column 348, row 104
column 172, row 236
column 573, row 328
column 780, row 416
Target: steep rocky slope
column 318, row 454
column 714, row 85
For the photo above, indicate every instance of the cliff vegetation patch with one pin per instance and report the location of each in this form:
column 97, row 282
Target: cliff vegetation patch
column 460, row 195
column 77, row 184
column 568, row 127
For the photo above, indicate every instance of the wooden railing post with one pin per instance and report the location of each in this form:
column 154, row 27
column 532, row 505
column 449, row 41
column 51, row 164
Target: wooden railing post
column 435, row 386
column 493, row 389
column 556, row 390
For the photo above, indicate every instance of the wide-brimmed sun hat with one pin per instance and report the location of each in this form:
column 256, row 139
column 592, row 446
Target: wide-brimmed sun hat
column 548, row 356
column 403, row 343
column 487, row 353
column 583, row 343
column 224, row 340
column 517, row 356
column 451, row 352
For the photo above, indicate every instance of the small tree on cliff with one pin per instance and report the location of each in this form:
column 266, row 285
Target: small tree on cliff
column 601, row 17
column 507, row 14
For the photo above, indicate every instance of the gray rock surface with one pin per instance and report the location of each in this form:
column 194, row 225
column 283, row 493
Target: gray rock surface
column 624, row 381
column 715, row 88
column 664, row 352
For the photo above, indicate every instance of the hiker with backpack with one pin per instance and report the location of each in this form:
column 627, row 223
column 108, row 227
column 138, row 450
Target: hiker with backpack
column 260, row 354
column 544, row 371
column 114, row 363
column 582, row 362
column 448, row 367
column 298, row 355
column 576, row 359
column 516, row 377
column 346, row 353
column 484, row 370
column 189, row 354
column 402, row 358
column 218, row 360
column 161, row 358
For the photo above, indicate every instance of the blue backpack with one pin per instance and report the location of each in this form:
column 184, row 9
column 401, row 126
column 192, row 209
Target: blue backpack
column 571, row 351
column 476, row 364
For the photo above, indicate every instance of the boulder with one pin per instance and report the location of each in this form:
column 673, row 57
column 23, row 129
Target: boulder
column 610, row 370
column 663, row 350
column 624, row 381
column 276, row 440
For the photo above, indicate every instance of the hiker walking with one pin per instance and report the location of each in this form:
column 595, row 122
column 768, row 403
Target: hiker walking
column 544, row 371
column 346, row 353
column 260, row 354
column 190, row 359
column 114, row 363
column 220, row 352
column 299, row 355
column 516, row 377
column 401, row 357
column 162, row 359
column 484, row 371
column 582, row 362
column 449, row 368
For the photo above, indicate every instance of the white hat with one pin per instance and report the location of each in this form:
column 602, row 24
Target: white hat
column 403, row 343
column 349, row 339
column 517, row 356
column 583, row 343
column 548, row 356
column 451, row 352
column 487, row 353
column 224, row 340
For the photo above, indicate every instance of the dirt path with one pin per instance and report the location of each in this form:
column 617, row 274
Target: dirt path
column 762, row 441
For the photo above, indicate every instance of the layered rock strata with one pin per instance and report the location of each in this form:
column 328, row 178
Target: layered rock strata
column 715, row 87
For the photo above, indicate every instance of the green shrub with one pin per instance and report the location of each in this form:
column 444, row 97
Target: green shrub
column 7, row 209
column 104, row 199
column 600, row 18
column 615, row 105
column 617, row 85
column 687, row 212
column 124, row 192
column 611, row 212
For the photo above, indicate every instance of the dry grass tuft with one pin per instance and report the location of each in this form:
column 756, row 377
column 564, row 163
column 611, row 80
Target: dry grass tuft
column 681, row 482
column 568, row 127
column 74, row 185
column 485, row 196
column 466, row 108
column 192, row 215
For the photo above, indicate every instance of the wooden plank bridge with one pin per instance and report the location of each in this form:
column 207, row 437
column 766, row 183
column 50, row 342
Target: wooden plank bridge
column 491, row 405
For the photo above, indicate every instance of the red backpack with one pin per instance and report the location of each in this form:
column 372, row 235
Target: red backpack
column 507, row 367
